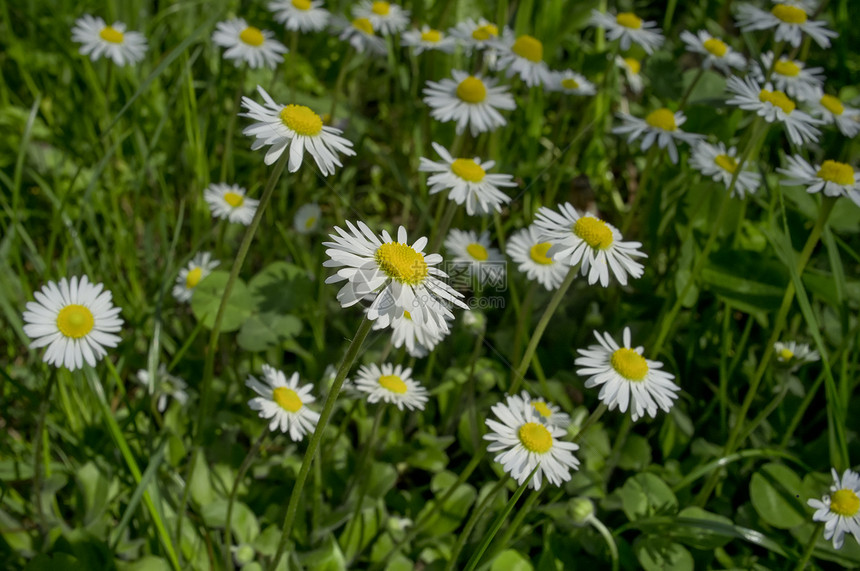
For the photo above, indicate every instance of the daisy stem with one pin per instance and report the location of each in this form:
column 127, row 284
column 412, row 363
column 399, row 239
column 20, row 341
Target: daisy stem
column 246, row 463
column 294, row 50
column 338, row 85
column 620, row 439
column 364, row 477
column 440, row 229
column 607, row 537
column 316, row 438
column 810, row 546
column 227, row 160
column 473, row 520
column 640, row 188
column 592, row 418
column 523, row 317
column 689, row 91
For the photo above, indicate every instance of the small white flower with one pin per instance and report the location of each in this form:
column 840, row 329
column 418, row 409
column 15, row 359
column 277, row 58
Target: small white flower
column 469, row 100
column 198, row 268
column 660, row 126
column 791, row 76
column 527, row 250
column 721, row 164
column 391, row 385
column 361, row 35
column 300, row 15
column 840, row 511
column 773, row 105
column 477, row 258
column 632, row 68
column 427, row 39
column 629, row 28
column 248, row 44
column 831, row 177
column 284, row 402
column 228, row 201
column 795, row 353
column 386, row 17
column 476, row 35
column 75, row 319
column 628, row 378
column 307, row 218
column 522, row 56
column 717, row 53
column 550, row 412
column 790, row 20
column 166, row 386
column 831, row 110
column 570, row 82
column 98, row 39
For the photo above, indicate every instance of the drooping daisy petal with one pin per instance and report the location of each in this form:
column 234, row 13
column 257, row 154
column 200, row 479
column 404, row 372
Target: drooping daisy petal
column 773, row 105
column 791, row 76
column 830, row 177
column 300, row 15
column 522, row 56
column 661, row 126
column 790, row 21
column 716, row 52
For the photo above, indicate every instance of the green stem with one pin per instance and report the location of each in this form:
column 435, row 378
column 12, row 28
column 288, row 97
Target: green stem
column 338, row 85
column 360, row 473
column 227, row 160
column 592, row 418
column 246, row 463
column 441, row 229
column 607, row 537
column 810, row 547
column 640, row 189
column 472, row 522
column 689, row 90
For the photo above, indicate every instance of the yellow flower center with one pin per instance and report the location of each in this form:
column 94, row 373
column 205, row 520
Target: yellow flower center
column 634, row 64
column 594, row 232
column 715, row 47
column 407, row 315
column 301, row 120
column 529, row 48
column 535, row 437
column 381, row 8
column 662, row 119
column 786, row 354
column 485, row 32
column 467, row 169
column 111, row 35
column 628, row 20
column 393, row 383
column 787, row 68
column 234, row 199
column 538, row 253
column 402, row 263
column 777, row 99
column 472, row 90
column 726, row 163
column 840, row 173
column 287, row 399
column 629, row 364
column 252, row 36
column 542, row 408
column 309, row 223
column 302, row 4
column 75, row 321
column 789, row 14
column 477, row 251
column 364, row 25
column 193, row 278
column 832, row 104
column 845, row 503
column 569, row 83
column 432, row 36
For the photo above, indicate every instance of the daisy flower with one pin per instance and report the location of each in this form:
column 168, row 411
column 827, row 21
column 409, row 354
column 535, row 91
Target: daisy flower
column 629, row 28
column 584, row 239
column 427, row 39
column 467, row 181
column 418, row 339
column 229, row 201
column 165, row 386
column 97, row 39
column 628, row 378
column 840, row 511
column 386, row 17
column 475, row 35
column 790, row 21
column 391, row 385
column 474, row 255
column 360, row 33
column 248, row 44
column 721, row 164
column 791, row 76
column 632, row 68
column 296, row 127
column 570, row 82
column 660, row 126
column 717, row 53
column 794, row 352
column 526, row 249
column 307, row 218
column 773, row 106
column 469, row 100
column 398, row 277
column 523, row 56
column 198, row 268
column 300, row 15
column 283, row 402
column 831, row 177
column 76, row 319
column 551, row 413
column 525, row 440
column 831, row 110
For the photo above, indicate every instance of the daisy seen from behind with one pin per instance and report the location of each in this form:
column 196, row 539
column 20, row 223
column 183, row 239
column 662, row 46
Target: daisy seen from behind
column 283, row 402
column 361, row 35
column 839, row 510
column 716, row 52
column 386, row 17
column 99, row 40
column 830, row 110
column 391, row 385
column 198, row 268
column 522, row 56
column 721, row 164
column 244, row 43
column 632, row 68
column 831, row 177
column 791, row 76
column 473, row 34
column 166, row 386
column 470, row 100
column 427, row 39
column 228, row 201
column 524, row 440
column 550, row 412
column 76, row 319
column 530, row 253
column 571, row 83
column 790, row 22
column 300, row 15
column 661, row 126
column 476, row 257
column 295, row 127
column 627, row 378
column 307, row 218
column 773, row 105
column 418, row 339
column 629, row 29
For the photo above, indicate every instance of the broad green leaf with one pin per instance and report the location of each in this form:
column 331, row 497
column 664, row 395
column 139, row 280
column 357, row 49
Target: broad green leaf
column 207, row 297
column 452, row 513
column 146, row 563
column 635, row 454
column 201, row 487
column 510, row 560
column 264, row 330
column 700, row 537
column 773, row 491
column 645, row 495
column 281, row 288
column 660, row 554
column 329, row 557
column 245, row 526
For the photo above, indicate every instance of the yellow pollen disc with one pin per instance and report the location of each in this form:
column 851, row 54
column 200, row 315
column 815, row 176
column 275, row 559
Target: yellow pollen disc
column 302, row 4
column 400, row 262
column 786, row 354
column 569, row 83
column 840, row 173
column 787, row 68
column 715, row 47
column 629, row 20
column 235, row 200
column 309, row 223
column 301, row 120
column 472, row 90
column 111, row 35
column 832, row 104
column 193, row 278
column 477, row 251
column 287, row 399
column 535, row 437
column 467, row 169
column 381, row 8
column 529, row 48
column 634, row 64
column 845, row 503
column 726, row 163
column 789, row 14
column 629, row 364
column 407, row 315
column 485, row 32
column 594, row 231
column 393, row 383
column 538, row 253
column 75, row 321
column 542, row 408
column 777, row 99
column 252, row 36
column 432, row 36
column 662, row 119
column 364, row 25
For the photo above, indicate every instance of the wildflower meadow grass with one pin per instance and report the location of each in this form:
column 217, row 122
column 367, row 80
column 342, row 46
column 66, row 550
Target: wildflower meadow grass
column 432, row 285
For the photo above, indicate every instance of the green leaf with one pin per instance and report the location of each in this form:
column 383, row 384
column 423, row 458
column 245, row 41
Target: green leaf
column 510, row 560
column 265, row 330
column 635, row 454
column 207, row 298
column 201, row 487
column 645, row 495
column 701, row 537
column 660, row 554
column 55, row 562
column 329, row 557
column 452, row 512
column 245, row 526
column 281, row 288
column 146, row 563
column 773, row 491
